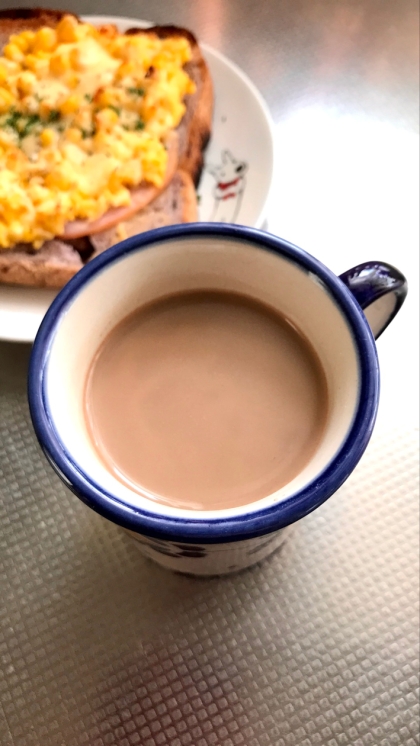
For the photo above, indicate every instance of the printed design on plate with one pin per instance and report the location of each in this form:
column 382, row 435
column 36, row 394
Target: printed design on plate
column 229, row 188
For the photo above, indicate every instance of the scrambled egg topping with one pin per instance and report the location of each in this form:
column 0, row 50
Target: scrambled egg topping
column 84, row 112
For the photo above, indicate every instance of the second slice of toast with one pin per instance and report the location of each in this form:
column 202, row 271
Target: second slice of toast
column 57, row 261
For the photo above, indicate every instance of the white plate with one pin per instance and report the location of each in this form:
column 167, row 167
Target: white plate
column 234, row 185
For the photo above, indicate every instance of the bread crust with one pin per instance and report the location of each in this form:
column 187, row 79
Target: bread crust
column 50, row 267
column 189, row 199
column 57, row 261
column 15, row 20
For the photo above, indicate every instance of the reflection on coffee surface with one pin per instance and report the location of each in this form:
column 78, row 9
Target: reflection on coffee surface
column 206, row 400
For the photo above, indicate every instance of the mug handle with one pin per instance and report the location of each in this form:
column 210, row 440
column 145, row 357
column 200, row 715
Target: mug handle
column 380, row 289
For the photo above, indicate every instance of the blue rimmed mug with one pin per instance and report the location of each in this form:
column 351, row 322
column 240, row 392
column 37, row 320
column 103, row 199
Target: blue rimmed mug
column 326, row 308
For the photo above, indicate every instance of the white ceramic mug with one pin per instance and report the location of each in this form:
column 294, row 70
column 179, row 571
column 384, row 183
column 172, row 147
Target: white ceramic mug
column 230, row 258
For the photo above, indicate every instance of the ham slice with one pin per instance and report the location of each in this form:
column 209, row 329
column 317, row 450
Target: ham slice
column 176, row 204
column 141, row 196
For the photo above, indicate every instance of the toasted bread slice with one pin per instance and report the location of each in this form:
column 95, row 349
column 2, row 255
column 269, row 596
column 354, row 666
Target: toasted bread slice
column 195, row 128
column 51, row 266
column 57, row 261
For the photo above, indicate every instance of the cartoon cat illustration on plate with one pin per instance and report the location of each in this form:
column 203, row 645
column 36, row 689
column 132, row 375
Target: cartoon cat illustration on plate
column 229, row 188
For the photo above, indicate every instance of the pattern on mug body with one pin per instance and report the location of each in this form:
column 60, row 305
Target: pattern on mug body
column 209, row 559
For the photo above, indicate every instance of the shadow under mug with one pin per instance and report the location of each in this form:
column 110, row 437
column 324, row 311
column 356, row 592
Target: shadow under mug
column 326, row 308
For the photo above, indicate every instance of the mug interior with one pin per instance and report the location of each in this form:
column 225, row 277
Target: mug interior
column 196, row 263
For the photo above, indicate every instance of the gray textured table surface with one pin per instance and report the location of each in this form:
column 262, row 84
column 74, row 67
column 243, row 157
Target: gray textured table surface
column 319, row 644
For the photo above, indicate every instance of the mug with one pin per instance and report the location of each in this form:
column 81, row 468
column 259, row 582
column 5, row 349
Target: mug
column 340, row 316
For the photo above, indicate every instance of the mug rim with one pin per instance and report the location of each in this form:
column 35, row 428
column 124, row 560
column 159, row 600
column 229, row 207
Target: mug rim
column 215, row 530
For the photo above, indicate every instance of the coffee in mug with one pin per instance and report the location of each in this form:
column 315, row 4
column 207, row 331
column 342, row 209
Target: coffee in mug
column 206, row 400
column 212, row 404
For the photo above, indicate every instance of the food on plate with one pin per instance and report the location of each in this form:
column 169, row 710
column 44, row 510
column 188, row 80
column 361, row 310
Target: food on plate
column 101, row 136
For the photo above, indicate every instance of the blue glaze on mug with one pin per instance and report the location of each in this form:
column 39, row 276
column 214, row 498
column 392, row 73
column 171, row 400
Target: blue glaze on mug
column 371, row 281
column 249, row 525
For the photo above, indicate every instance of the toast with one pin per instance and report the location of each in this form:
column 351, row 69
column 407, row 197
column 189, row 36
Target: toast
column 195, row 128
column 59, row 259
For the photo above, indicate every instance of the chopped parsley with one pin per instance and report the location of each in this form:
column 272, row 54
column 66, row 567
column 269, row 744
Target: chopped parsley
column 89, row 97
column 136, row 91
column 88, row 133
column 139, row 125
column 29, row 123
column 21, row 124
column 53, row 116
column 12, row 119
column 115, row 108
